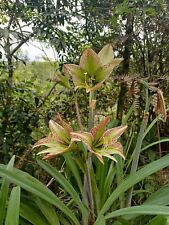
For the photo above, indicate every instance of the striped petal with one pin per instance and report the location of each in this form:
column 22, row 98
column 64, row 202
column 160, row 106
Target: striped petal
column 99, row 130
column 104, row 72
column 106, row 54
column 49, row 141
column 59, row 131
column 79, row 75
column 84, row 137
column 113, row 134
column 90, row 61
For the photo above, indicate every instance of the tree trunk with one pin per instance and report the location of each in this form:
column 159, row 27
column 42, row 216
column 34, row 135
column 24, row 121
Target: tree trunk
column 125, row 67
column 10, row 71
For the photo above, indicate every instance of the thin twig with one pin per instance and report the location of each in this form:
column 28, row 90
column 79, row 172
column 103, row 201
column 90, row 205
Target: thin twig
column 49, row 93
column 50, row 182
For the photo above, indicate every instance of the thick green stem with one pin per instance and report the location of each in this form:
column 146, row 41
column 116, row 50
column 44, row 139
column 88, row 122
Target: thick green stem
column 92, row 103
column 88, row 192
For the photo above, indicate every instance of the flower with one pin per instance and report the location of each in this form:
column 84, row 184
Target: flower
column 101, row 142
column 93, row 69
column 58, row 141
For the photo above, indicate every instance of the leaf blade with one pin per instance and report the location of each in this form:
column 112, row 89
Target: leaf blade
column 140, row 210
column 12, row 217
column 132, row 180
column 4, row 192
column 34, row 186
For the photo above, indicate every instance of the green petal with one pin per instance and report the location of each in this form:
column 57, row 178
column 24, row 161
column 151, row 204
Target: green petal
column 54, row 150
column 63, row 80
column 104, row 72
column 113, row 134
column 98, row 130
column 79, row 75
column 106, row 54
column 108, row 151
column 85, row 137
column 58, row 149
column 100, row 157
column 65, row 125
column 115, row 148
column 110, row 157
column 48, row 142
column 59, row 131
column 90, row 61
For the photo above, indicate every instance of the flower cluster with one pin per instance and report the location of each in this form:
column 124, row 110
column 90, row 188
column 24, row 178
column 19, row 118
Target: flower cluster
column 99, row 141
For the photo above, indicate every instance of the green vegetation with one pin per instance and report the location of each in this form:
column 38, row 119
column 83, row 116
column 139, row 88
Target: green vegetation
column 84, row 139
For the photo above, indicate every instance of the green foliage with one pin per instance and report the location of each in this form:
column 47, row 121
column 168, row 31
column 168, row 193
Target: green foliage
column 101, row 199
column 81, row 189
column 4, row 192
column 30, row 208
column 12, row 216
column 17, row 119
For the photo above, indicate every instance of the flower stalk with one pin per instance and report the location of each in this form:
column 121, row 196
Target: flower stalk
column 88, row 192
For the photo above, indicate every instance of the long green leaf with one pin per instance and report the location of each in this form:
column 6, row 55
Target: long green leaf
column 12, row 217
column 101, row 173
column 151, row 126
column 155, row 143
column 140, row 210
column 48, row 211
column 137, row 149
column 108, row 182
column 34, row 186
column 96, row 193
column 23, row 222
column 63, row 221
column 32, row 214
column 160, row 197
column 120, row 177
column 159, row 220
column 65, row 184
column 127, row 116
column 4, row 192
column 75, row 171
column 132, row 180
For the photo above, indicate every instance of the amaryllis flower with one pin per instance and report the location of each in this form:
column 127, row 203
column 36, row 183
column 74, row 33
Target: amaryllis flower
column 59, row 140
column 93, row 69
column 102, row 142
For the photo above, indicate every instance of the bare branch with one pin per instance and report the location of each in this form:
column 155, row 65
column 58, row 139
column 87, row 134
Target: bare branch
column 21, row 43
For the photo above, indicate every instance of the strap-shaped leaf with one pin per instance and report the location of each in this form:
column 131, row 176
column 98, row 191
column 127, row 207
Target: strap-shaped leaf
column 132, row 180
column 12, row 217
column 48, row 211
column 63, row 181
column 159, row 220
column 34, row 186
column 4, row 191
column 160, row 197
column 30, row 212
column 140, row 210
